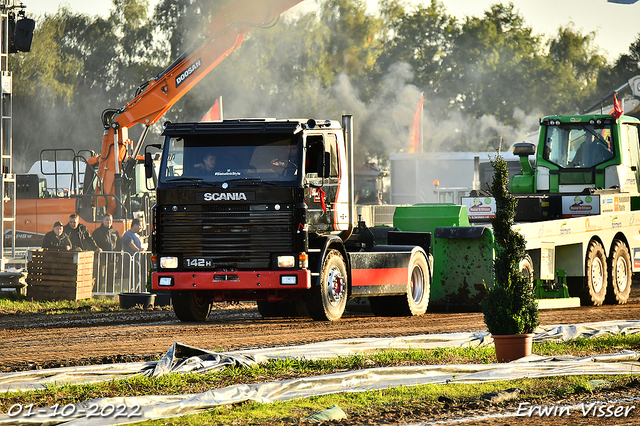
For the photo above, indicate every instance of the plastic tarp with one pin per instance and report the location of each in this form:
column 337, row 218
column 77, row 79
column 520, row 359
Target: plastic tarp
column 184, row 358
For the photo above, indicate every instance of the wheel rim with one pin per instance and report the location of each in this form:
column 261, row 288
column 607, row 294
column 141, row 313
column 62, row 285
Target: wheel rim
column 417, row 284
column 335, row 286
column 621, row 274
column 597, row 277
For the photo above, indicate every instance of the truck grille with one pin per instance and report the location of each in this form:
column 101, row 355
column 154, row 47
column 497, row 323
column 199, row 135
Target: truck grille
column 243, row 239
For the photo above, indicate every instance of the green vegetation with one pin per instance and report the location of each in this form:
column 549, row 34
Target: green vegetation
column 11, row 303
column 490, row 67
column 509, row 305
column 365, row 403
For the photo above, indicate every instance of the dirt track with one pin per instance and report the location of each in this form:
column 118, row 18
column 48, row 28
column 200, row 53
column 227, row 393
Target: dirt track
column 31, row 341
column 41, row 340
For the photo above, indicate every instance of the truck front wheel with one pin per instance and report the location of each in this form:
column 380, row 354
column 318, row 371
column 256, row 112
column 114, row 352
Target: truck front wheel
column 191, row 306
column 596, row 276
column 327, row 301
column 619, row 273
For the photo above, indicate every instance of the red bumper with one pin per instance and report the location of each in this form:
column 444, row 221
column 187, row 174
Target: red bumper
column 237, row 280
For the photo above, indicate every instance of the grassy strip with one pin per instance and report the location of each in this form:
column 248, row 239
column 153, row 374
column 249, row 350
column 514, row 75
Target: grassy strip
column 373, row 404
column 379, row 401
column 12, row 303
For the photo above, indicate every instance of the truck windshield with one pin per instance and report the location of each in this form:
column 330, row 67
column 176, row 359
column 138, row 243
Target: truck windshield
column 219, row 158
column 578, row 145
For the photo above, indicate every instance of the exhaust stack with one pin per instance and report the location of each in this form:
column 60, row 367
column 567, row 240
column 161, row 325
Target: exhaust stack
column 347, row 127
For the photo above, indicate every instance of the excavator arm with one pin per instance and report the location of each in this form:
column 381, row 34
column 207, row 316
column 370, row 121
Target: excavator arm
column 222, row 36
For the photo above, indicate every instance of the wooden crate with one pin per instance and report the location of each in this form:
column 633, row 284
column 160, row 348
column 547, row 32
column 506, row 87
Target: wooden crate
column 59, row 275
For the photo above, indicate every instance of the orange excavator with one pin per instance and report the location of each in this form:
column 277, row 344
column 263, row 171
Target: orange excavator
column 114, row 181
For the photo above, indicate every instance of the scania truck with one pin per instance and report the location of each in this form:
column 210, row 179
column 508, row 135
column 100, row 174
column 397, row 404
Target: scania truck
column 273, row 221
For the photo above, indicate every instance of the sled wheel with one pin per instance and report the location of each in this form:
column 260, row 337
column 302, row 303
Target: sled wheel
column 619, row 274
column 595, row 275
column 526, row 269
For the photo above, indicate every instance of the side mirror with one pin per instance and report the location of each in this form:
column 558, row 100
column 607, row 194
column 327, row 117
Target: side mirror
column 524, row 149
column 148, row 165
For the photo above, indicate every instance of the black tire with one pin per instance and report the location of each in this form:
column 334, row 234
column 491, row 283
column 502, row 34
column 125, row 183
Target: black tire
column 268, row 309
column 595, row 285
column 191, row 306
column 619, row 274
column 416, row 299
column 327, row 301
column 526, row 269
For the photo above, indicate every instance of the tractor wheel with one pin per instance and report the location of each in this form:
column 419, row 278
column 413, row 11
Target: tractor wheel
column 327, row 301
column 191, row 305
column 619, row 274
column 595, row 276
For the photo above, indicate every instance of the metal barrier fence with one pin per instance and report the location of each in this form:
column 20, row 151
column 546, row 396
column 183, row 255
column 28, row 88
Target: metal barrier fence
column 114, row 272
column 120, row 272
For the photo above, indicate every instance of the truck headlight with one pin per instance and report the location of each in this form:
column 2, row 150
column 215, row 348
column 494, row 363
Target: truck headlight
column 169, row 262
column 286, row 261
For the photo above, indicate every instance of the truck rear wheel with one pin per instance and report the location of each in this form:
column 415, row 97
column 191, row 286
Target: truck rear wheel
column 416, row 300
column 619, row 274
column 327, row 301
column 596, row 276
column 191, row 306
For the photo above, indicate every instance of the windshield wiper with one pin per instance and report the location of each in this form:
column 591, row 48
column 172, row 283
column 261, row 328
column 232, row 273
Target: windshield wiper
column 187, row 179
column 249, row 181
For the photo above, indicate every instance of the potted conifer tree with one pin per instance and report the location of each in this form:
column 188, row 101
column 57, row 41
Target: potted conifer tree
column 509, row 306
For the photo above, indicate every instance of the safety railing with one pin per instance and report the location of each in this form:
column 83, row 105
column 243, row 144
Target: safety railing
column 120, row 272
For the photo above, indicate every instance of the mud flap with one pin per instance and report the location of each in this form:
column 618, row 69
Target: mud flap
column 463, row 264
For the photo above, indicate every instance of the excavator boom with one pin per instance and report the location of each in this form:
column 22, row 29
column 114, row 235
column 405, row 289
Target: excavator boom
column 222, row 36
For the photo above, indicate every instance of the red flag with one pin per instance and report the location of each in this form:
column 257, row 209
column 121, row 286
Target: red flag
column 214, row 112
column 414, row 129
column 617, row 108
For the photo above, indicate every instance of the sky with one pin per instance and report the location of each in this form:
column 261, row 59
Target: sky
column 616, row 25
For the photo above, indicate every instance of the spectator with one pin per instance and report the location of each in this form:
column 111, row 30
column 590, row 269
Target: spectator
column 108, row 240
column 131, row 244
column 106, row 236
column 56, row 239
column 79, row 235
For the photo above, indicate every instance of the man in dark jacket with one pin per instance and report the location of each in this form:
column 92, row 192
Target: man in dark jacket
column 79, row 235
column 106, row 236
column 56, row 239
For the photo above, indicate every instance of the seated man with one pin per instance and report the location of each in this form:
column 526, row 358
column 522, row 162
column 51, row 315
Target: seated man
column 208, row 163
column 287, row 166
column 591, row 152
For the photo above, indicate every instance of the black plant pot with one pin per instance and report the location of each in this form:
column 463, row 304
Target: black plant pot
column 131, row 300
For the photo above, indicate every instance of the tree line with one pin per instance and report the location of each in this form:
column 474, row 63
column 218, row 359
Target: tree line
column 486, row 79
